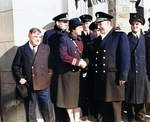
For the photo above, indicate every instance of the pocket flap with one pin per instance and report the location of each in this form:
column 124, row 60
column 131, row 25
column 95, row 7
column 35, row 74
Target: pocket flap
column 113, row 69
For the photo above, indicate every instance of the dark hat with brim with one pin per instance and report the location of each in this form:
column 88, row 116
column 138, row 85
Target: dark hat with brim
column 93, row 26
column 101, row 16
column 136, row 17
column 73, row 23
column 61, row 17
column 85, row 18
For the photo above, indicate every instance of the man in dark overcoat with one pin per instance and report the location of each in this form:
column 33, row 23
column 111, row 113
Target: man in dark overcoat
column 51, row 37
column 111, row 60
column 137, row 85
column 31, row 65
column 148, row 31
column 87, row 38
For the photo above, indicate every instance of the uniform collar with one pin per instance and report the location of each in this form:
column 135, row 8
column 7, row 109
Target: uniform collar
column 74, row 37
column 31, row 46
column 58, row 29
column 137, row 36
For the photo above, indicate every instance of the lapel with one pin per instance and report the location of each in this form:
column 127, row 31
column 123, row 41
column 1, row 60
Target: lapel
column 140, row 43
column 109, row 37
column 27, row 50
column 132, row 38
column 39, row 54
column 135, row 42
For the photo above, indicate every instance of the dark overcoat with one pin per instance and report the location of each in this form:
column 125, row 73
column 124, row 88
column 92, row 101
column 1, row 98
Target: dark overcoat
column 111, row 64
column 147, row 42
column 68, row 95
column 51, row 37
column 137, row 85
column 34, row 68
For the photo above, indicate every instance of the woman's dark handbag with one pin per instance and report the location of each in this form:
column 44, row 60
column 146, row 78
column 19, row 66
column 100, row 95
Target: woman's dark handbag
column 23, row 91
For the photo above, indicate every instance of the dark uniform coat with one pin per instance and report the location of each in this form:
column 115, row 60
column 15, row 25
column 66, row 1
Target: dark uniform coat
column 51, row 37
column 111, row 62
column 87, row 39
column 147, row 41
column 137, row 85
column 68, row 83
column 33, row 68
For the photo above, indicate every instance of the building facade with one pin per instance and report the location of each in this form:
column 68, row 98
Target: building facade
column 18, row 16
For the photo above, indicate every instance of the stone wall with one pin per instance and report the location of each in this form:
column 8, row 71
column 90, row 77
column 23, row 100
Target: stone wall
column 120, row 9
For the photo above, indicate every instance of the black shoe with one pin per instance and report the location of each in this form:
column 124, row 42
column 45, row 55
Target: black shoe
column 142, row 121
column 131, row 120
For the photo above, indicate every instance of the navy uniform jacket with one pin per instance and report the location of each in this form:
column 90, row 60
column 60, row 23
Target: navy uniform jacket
column 137, row 85
column 33, row 68
column 69, row 54
column 87, row 39
column 147, row 41
column 111, row 64
column 51, row 37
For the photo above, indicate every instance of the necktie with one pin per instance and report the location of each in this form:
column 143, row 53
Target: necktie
column 34, row 50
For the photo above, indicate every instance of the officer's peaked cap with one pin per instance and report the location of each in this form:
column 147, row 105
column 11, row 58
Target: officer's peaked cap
column 136, row 17
column 101, row 16
column 93, row 26
column 63, row 16
column 85, row 18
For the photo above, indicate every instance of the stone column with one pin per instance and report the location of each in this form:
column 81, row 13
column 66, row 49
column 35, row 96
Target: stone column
column 120, row 9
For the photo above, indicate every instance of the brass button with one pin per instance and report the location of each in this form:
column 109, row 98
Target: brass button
column 97, row 52
column 103, row 64
column 96, row 58
column 95, row 64
column 103, row 57
column 96, row 71
column 104, row 50
column 103, row 71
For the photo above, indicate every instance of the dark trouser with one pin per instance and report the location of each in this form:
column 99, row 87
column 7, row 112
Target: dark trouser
column 138, row 109
column 110, row 111
column 45, row 105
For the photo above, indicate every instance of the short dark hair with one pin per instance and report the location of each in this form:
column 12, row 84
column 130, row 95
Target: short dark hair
column 33, row 30
column 72, row 28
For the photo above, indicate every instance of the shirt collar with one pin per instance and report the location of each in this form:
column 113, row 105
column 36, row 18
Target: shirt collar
column 136, row 35
column 104, row 35
column 31, row 46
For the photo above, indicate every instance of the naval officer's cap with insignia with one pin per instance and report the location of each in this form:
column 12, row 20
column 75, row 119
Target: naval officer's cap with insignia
column 93, row 26
column 136, row 17
column 61, row 17
column 85, row 18
column 101, row 16
column 73, row 23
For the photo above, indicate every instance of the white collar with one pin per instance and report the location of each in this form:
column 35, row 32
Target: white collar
column 136, row 35
column 103, row 36
column 31, row 46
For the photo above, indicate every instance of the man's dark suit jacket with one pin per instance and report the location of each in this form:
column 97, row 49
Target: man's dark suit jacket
column 34, row 68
